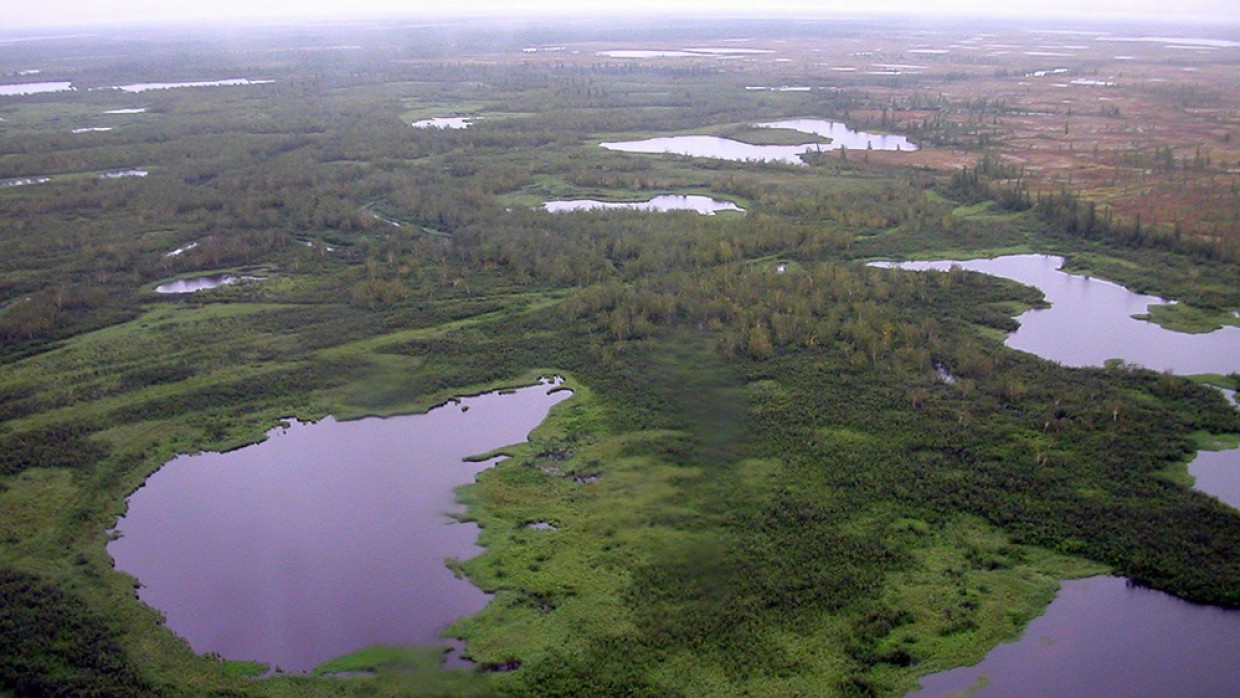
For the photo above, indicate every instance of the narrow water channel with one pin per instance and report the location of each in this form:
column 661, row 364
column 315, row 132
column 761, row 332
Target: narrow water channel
column 324, row 539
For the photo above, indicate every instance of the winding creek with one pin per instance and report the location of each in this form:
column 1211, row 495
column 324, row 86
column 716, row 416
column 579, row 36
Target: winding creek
column 1102, row 637
column 325, row 538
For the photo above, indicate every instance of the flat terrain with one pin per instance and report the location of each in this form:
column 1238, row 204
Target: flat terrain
column 762, row 485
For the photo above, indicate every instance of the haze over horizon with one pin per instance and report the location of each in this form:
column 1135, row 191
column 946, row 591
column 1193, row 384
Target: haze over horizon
column 70, row 13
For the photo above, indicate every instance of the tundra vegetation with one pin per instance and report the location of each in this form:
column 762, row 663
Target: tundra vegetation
column 762, row 485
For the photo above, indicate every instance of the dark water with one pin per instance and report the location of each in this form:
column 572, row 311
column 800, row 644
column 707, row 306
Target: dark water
column 324, row 539
column 1102, row 638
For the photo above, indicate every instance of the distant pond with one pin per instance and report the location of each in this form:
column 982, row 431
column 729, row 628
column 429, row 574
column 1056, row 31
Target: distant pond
column 670, row 202
column 324, row 539
column 444, row 122
column 1101, row 637
column 200, row 283
column 728, row 149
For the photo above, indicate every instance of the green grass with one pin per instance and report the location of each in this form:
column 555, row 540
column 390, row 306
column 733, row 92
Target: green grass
column 1179, row 317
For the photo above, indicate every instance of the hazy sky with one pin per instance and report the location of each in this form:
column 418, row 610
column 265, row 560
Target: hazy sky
column 51, row 13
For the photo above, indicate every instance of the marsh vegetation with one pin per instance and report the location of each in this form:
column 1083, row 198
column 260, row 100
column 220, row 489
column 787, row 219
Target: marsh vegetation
column 763, row 483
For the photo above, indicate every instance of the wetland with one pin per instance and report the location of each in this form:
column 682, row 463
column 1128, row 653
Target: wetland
column 783, row 471
column 324, row 539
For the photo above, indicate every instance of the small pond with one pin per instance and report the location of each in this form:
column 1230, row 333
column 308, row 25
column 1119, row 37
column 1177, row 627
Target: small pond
column 443, row 122
column 324, row 539
column 702, row 204
column 842, row 136
column 33, row 88
column 729, row 149
column 148, row 86
column 201, row 283
column 1217, row 473
column 1104, row 638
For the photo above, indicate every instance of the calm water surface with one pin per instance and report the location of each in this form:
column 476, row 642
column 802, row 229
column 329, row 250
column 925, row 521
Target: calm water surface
column 34, row 88
column 443, row 122
column 324, row 539
column 1090, row 321
column 1101, row 637
column 728, row 149
column 148, row 86
column 1217, row 473
column 842, row 136
column 199, row 283
column 702, row 204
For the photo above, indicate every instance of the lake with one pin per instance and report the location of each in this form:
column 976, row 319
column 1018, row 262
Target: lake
column 443, row 122
column 728, row 149
column 148, row 86
column 324, row 539
column 1102, row 637
column 842, row 136
column 1058, row 333
column 200, row 283
column 33, row 88
column 670, row 202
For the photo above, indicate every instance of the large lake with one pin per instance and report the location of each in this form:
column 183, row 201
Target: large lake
column 1101, row 637
column 324, row 539
column 727, row 149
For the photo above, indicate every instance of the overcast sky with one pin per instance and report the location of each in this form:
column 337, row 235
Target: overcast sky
column 52, row 13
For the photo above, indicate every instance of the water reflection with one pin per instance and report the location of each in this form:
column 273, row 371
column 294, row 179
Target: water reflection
column 702, row 204
column 842, row 136
column 443, row 122
column 1060, row 333
column 324, row 539
column 34, row 88
column 1101, row 637
column 1106, row 639
column 727, row 149
column 200, row 283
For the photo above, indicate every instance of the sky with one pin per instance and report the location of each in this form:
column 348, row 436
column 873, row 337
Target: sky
column 65, row 13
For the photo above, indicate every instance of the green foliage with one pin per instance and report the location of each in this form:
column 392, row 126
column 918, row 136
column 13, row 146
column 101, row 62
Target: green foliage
column 52, row 646
column 66, row 446
column 762, row 486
